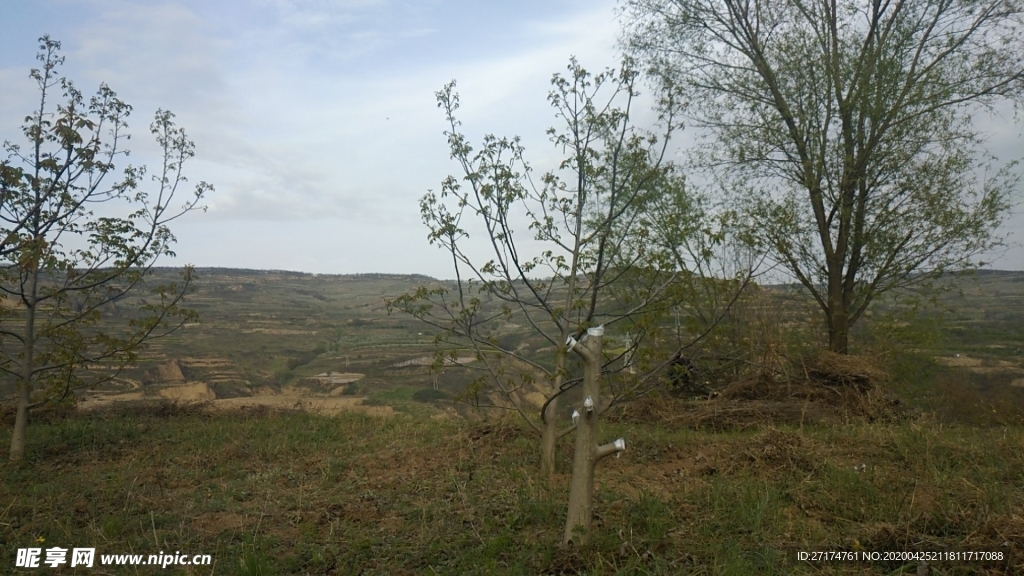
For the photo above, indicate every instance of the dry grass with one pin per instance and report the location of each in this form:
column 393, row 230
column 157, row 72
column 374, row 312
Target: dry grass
column 824, row 389
column 280, row 492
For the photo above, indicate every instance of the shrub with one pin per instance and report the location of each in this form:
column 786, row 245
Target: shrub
column 428, row 395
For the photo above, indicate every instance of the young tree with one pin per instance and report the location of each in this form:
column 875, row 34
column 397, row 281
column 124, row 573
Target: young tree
column 591, row 260
column 588, row 453
column 68, row 254
column 845, row 129
column 554, row 290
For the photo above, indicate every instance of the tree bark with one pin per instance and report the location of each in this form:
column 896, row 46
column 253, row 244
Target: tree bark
column 837, row 319
column 27, row 368
column 588, row 453
column 839, row 332
column 20, row 421
column 549, row 440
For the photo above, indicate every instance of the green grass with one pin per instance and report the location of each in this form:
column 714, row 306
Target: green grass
column 403, row 399
column 291, row 493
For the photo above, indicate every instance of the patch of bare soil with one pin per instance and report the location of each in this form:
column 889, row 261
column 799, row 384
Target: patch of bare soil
column 982, row 365
column 428, row 360
column 213, row 523
column 961, row 361
column 100, row 400
column 199, row 393
column 191, row 392
column 276, row 331
column 333, row 379
column 170, row 371
column 304, row 402
column 211, row 362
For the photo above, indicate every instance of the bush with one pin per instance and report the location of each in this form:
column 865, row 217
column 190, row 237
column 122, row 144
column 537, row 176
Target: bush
column 428, row 395
column 306, row 357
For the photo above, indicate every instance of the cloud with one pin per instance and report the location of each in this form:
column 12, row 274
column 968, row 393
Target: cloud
column 365, row 143
column 316, row 119
column 158, row 51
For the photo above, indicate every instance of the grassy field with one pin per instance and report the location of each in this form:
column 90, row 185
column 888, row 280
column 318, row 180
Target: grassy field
column 734, row 486
column 292, row 493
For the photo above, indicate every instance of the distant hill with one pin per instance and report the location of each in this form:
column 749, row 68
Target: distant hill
column 262, row 331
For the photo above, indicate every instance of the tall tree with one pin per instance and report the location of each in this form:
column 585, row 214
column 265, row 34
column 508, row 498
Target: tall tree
column 69, row 250
column 844, row 128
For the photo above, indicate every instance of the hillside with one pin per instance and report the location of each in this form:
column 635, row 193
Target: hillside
column 276, row 338
column 262, row 334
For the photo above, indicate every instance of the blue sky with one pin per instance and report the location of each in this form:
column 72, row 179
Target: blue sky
column 316, row 120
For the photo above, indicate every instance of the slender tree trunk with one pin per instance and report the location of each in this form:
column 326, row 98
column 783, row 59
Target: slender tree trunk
column 27, row 370
column 549, row 440
column 588, row 453
column 549, row 432
column 20, row 421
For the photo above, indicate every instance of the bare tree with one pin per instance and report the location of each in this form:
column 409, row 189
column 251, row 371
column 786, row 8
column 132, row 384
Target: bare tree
column 591, row 259
column 68, row 253
column 844, row 128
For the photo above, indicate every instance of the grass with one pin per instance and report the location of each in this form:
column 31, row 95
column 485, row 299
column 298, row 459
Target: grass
column 405, row 400
column 291, row 493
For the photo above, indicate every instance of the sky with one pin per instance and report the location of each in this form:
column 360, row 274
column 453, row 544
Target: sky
column 316, row 120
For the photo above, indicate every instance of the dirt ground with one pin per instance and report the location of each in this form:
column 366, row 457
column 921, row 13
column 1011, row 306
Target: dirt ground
column 200, row 392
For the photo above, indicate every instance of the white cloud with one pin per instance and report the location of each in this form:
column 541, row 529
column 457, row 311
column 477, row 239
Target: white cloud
column 316, row 119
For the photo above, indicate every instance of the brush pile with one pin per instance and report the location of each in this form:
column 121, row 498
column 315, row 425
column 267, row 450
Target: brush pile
column 824, row 388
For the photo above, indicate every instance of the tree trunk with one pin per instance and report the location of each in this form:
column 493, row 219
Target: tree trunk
column 838, row 330
column 549, row 433
column 549, row 440
column 837, row 316
column 20, row 421
column 27, row 370
column 588, row 453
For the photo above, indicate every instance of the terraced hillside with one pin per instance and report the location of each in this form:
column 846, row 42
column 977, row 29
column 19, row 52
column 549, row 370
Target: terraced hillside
column 266, row 333
column 276, row 337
